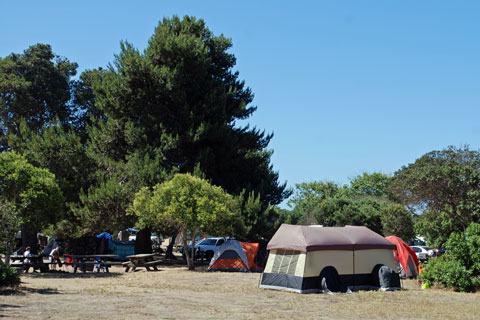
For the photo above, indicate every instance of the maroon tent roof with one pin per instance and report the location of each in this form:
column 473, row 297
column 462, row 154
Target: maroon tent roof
column 312, row 238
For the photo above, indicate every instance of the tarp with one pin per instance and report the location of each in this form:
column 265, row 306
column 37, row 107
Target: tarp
column 306, row 238
column 104, row 235
column 406, row 256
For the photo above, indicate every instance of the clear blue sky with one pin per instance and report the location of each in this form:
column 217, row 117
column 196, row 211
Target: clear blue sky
column 345, row 86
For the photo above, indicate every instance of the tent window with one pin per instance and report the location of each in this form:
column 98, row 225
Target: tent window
column 285, row 262
column 293, row 263
column 278, row 261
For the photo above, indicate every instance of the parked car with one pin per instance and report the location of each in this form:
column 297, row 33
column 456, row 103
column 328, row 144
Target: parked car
column 423, row 253
column 206, row 247
column 156, row 240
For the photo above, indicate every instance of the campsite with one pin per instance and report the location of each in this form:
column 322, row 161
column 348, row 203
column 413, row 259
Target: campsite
column 176, row 293
column 239, row 160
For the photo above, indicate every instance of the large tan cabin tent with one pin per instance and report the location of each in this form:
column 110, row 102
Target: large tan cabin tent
column 299, row 254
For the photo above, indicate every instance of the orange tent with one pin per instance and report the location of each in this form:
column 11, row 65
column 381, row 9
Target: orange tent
column 237, row 256
column 405, row 256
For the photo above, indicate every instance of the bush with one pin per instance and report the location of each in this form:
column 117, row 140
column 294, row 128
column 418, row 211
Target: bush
column 459, row 268
column 8, row 276
column 449, row 273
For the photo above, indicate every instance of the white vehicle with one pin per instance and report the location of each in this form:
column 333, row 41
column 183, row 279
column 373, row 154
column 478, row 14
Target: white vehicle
column 155, row 239
column 422, row 252
column 206, row 247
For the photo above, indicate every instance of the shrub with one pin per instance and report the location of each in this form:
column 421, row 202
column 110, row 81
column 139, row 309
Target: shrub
column 8, row 276
column 459, row 268
column 449, row 273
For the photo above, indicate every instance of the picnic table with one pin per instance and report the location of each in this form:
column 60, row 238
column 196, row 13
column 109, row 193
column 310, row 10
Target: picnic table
column 145, row 260
column 35, row 261
column 98, row 261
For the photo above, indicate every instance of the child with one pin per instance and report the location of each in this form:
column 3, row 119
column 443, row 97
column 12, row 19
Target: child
column 55, row 258
column 26, row 261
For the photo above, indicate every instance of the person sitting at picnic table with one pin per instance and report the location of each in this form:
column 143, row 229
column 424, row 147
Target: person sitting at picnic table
column 55, row 258
column 26, row 261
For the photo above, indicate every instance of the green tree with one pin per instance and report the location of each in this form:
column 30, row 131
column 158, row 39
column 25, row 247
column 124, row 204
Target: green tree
column 328, row 204
column 396, row 220
column 33, row 192
column 58, row 150
column 374, row 184
column 34, row 86
column 10, row 225
column 459, row 267
column 191, row 205
column 178, row 103
column 308, row 197
column 446, row 184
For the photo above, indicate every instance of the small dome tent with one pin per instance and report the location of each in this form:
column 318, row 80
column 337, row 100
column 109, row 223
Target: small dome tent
column 302, row 258
column 235, row 256
column 405, row 256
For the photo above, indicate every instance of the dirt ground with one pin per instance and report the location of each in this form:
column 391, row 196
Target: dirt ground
column 176, row 293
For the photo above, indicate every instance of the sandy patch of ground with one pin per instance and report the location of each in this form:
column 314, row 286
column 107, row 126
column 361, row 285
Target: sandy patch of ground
column 176, row 293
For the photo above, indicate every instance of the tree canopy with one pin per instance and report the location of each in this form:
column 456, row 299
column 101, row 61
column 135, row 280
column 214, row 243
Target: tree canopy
column 174, row 108
column 445, row 185
column 363, row 202
column 32, row 191
column 191, row 205
column 34, row 86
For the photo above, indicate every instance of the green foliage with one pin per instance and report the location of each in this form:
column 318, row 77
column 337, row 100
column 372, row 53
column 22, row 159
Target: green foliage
column 445, row 184
column 258, row 220
column 10, row 223
column 173, row 108
column 58, row 150
column 433, row 226
column 328, row 204
column 396, row 220
column 375, row 184
column 32, row 191
column 103, row 208
column 34, row 86
column 459, row 267
column 285, row 216
column 179, row 101
column 449, row 273
column 8, row 276
column 189, row 204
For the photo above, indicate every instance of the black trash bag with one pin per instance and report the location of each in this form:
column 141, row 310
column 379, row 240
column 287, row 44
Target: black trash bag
column 375, row 275
column 388, row 278
column 330, row 281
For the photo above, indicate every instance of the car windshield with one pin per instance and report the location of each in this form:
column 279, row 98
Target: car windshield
column 427, row 248
column 208, row 242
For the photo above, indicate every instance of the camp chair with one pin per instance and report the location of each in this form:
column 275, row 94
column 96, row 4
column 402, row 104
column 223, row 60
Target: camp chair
column 99, row 266
column 69, row 261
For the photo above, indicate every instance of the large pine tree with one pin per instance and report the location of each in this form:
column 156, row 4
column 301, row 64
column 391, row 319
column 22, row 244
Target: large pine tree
column 177, row 105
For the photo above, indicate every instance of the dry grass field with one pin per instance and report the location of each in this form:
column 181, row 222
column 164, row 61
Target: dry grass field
column 176, row 293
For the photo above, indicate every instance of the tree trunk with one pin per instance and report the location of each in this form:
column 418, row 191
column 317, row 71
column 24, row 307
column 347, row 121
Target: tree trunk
column 169, row 253
column 190, row 264
column 29, row 238
column 143, row 242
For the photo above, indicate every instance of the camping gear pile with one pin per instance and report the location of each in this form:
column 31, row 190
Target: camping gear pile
column 309, row 259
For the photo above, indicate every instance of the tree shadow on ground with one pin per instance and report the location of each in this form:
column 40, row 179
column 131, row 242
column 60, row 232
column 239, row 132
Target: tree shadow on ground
column 21, row 291
column 71, row 275
column 8, row 306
